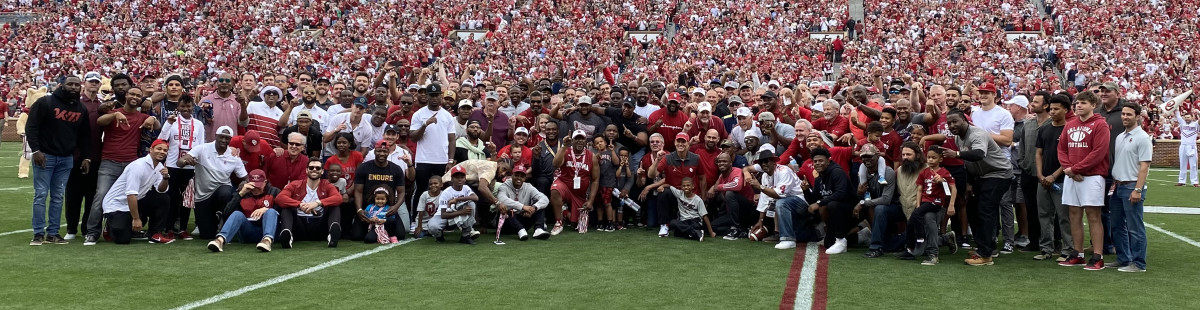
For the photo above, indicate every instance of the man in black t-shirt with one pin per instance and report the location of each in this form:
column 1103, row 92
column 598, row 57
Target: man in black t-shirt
column 631, row 128
column 369, row 176
column 1051, row 212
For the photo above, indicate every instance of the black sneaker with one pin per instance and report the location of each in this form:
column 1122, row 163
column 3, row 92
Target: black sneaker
column 56, row 239
column 1008, row 249
column 905, row 255
column 440, row 239
column 732, row 235
column 873, row 254
column 285, row 238
column 140, row 235
column 89, row 240
column 466, row 240
column 37, row 240
column 334, row 230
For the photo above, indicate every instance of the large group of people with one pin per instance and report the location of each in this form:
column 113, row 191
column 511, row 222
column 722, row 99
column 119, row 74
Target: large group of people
column 372, row 124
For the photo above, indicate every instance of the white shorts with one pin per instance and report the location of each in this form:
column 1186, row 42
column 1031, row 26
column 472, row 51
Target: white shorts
column 1089, row 193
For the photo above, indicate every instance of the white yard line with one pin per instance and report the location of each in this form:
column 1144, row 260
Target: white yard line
column 1176, row 236
column 1171, row 210
column 15, row 188
column 281, row 279
column 808, row 278
column 23, row 231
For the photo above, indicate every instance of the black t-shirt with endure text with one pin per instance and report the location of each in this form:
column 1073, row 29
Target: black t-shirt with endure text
column 371, row 175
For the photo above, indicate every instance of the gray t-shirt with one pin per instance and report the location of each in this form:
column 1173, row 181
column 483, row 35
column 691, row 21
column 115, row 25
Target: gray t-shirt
column 689, row 208
column 994, row 163
column 593, row 124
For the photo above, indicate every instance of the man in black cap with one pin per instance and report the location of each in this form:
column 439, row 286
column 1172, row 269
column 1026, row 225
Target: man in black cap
column 430, row 125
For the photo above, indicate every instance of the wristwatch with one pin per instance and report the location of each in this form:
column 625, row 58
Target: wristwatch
column 1138, row 190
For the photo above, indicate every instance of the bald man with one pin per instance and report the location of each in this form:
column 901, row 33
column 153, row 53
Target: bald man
column 227, row 108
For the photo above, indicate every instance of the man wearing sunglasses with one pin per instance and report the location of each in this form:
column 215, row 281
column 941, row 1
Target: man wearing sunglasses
column 404, row 110
column 537, row 105
column 228, row 108
column 283, row 169
column 308, row 103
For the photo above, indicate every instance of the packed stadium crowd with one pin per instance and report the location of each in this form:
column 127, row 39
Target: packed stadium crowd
column 280, row 121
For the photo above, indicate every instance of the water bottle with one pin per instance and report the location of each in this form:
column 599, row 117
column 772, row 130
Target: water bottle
column 1057, row 188
column 868, row 196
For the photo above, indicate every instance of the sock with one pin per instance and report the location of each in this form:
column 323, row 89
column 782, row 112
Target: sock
column 1097, row 256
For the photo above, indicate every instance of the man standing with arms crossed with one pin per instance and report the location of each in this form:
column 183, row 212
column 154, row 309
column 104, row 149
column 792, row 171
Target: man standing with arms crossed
column 429, row 125
column 1082, row 151
column 1131, row 164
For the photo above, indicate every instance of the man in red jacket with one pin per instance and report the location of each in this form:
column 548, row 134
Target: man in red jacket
column 251, row 215
column 1083, row 154
column 309, row 209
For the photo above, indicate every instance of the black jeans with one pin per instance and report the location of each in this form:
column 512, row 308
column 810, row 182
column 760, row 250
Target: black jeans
column 153, row 206
column 959, row 173
column 740, row 212
column 688, row 229
column 81, row 191
column 518, row 221
column 209, row 212
column 984, row 217
column 668, row 207
column 839, row 221
column 310, row 228
column 1029, row 185
column 178, row 182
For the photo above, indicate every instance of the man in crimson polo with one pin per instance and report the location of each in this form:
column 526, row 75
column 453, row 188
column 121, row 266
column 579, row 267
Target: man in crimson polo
column 676, row 166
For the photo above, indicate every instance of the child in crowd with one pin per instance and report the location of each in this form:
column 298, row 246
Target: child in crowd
column 874, row 135
column 936, row 194
column 379, row 222
column 624, row 184
column 608, row 180
column 691, row 210
column 427, row 206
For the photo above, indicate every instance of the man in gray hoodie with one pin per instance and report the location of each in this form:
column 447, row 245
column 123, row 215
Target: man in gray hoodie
column 523, row 203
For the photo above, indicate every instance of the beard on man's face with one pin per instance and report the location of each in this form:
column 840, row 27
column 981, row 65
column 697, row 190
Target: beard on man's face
column 910, row 166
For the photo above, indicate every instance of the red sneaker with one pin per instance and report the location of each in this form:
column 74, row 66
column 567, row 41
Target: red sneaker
column 159, row 238
column 1095, row 264
column 185, row 236
column 1075, row 261
column 1178, row 184
column 1195, row 185
column 107, row 238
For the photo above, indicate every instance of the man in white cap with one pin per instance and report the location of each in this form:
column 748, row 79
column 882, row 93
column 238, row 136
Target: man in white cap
column 214, row 162
column 574, row 186
column 462, row 116
column 703, row 121
column 264, row 115
column 745, row 122
column 495, row 124
column 581, row 117
column 524, row 156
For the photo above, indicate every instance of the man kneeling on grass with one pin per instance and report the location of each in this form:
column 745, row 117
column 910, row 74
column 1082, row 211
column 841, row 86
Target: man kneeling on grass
column 527, row 204
column 456, row 209
column 250, row 214
column 130, row 195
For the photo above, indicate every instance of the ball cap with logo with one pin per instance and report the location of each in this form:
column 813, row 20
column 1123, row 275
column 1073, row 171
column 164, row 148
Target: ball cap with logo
column 250, row 141
column 258, row 178
column 458, row 170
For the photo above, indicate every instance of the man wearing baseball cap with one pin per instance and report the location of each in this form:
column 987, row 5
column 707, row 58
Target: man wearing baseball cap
column 456, row 209
column 577, row 184
column 704, row 120
column 310, row 209
column 782, row 198
column 883, row 201
column 631, row 127
column 433, row 130
column 494, row 123
column 214, row 162
column 305, row 126
column 525, row 205
column 252, row 215
column 522, row 157
column 669, row 122
column 125, row 215
column 250, row 148
column 122, row 134
column 675, row 166
column 582, row 117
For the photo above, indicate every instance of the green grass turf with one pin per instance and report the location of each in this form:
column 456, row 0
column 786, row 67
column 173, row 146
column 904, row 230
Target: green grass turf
column 629, row 269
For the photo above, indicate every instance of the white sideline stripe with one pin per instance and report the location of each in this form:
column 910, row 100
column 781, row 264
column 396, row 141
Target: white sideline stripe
column 15, row 188
column 1177, row 236
column 1171, row 210
column 280, row 279
column 23, row 231
column 808, row 278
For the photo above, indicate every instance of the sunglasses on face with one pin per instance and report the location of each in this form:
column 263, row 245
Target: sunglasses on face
column 295, row 144
column 406, row 102
column 894, row 92
column 314, row 168
column 306, row 80
column 225, row 80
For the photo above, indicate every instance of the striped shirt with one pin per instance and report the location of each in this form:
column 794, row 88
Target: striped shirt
column 265, row 121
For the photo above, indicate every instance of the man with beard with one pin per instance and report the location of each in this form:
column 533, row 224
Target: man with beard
column 81, row 185
column 57, row 125
column 708, row 152
column 1028, row 136
column 537, row 107
column 310, row 209
column 669, row 122
column 308, row 103
column 304, row 126
column 462, row 116
column 542, row 172
column 404, row 110
column 734, row 195
column 120, row 149
column 362, row 82
column 324, row 100
column 264, row 115
column 129, row 201
column 991, row 171
column 881, row 205
column 433, row 154
column 228, row 108
column 581, row 117
column 631, row 127
column 357, row 122
column 834, row 197
column 675, row 166
column 252, row 216
column 214, row 162
column 704, row 121
column 644, row 108
column 495, row 124
column 527, row 204
column 471, row 146
column 577, row 182
column 912, row 160
column 378, row 173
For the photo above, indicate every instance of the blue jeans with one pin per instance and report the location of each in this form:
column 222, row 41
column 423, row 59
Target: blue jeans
column 787, row 210
column 1128, row 231
column 885, row 215
column 50, row 180
column 250, row 232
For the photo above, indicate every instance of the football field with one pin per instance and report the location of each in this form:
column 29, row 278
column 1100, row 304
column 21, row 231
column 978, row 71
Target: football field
column 631, row 269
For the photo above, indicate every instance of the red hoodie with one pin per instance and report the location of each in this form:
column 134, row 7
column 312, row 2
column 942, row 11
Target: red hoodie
column 1084, row 146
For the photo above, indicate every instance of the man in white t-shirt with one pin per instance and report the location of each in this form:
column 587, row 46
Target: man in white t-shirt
column 456, row 209
column 998, row 122
column 214, row 162
column 356, row 122
column 430, row 125
column 125, row 215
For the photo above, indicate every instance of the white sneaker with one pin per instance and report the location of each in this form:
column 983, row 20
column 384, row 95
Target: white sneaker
column 838, row 247
column 523, row 235
column 69, row 237
column 662, row 231
column 558, row 228
column 784, row 245
column 540, row 234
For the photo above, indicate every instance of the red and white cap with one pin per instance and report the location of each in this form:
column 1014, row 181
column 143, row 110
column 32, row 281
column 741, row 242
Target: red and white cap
column 683, row 136
column 579, row 133
column 457, row 170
